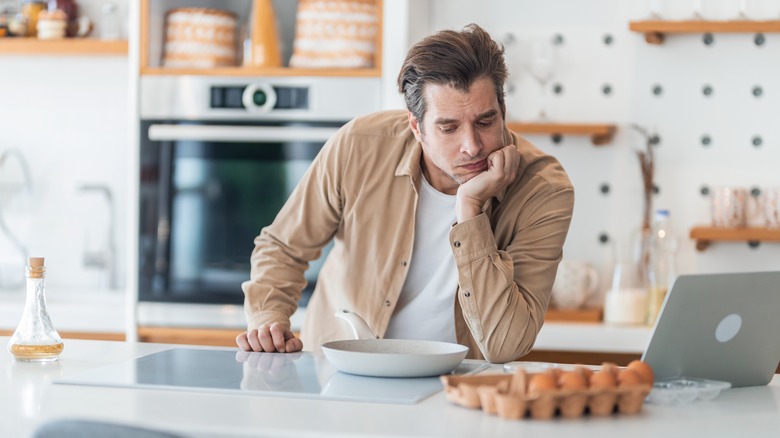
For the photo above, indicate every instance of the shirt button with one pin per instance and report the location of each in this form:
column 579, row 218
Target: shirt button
column 387, row 303
column 403, row 263
column 457, row 244
column 467, row 294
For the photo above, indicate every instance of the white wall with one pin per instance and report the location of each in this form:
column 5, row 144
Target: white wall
column 731, row 116
column 70, row 117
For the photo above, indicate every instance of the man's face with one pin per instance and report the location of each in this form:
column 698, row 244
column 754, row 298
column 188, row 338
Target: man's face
column 459, row 131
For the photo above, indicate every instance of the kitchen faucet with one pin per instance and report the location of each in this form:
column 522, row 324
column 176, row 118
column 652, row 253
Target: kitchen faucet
column 7, row 191
column 104, row 259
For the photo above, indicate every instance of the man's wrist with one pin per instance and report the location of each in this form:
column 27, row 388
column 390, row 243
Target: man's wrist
column 466, row 209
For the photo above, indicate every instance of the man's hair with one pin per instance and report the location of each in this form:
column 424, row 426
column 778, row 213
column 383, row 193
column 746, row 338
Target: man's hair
column 454, row 58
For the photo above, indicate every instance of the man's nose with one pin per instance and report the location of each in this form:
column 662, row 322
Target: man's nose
column 471, row 145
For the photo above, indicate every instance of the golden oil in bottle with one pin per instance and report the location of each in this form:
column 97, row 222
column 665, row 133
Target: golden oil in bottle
column 35, row 339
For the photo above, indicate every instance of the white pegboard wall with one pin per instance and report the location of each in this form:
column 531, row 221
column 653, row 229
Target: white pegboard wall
column 607, row 179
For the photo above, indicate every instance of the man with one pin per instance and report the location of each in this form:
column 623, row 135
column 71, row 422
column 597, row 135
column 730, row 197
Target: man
column 447, row 226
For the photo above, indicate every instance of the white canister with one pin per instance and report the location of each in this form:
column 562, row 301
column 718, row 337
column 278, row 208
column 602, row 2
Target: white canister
column 625, row 306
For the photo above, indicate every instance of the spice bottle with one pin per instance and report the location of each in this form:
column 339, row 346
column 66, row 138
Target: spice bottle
column 30, row 10
column 35, row 339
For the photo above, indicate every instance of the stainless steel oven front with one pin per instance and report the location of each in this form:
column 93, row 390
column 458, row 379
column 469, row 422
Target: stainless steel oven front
column 218, row 159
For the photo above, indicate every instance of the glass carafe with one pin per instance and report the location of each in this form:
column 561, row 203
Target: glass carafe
column 35, row 339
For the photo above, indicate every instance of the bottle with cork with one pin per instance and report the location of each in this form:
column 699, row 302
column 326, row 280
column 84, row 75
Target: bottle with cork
column 35, row 339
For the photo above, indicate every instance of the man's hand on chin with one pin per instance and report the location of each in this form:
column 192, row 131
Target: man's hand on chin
column 472, row 195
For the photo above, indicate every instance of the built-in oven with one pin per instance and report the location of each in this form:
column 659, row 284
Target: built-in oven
column 218, row 159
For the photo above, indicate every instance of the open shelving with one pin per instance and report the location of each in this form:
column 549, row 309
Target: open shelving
column 704, row 236
column 64, row 46
column 655, row 30
column 152, row 25
column 600, row 134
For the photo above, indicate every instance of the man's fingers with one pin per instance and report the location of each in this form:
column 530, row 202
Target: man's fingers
column 243, row 343
column 294, row 344
column 266, row 342
column 277, row 337
column 254, row 342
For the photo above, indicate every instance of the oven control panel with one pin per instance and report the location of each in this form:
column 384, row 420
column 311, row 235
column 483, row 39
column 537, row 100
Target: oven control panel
column 259, row 97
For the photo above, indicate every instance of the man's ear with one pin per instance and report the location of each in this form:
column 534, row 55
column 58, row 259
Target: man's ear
column 414, row 125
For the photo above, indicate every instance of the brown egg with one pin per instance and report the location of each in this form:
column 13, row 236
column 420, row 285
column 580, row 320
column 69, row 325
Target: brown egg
column 572, row 380
column 612, row 367
column 603, row 378
column 542, row 382
column 628, row 377
column 586, row 372
column 644, row 370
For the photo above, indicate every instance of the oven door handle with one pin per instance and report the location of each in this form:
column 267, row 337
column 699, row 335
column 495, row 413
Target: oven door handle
column 242, row 134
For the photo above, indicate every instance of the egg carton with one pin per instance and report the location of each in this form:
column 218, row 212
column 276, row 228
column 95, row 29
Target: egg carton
column 507, row 396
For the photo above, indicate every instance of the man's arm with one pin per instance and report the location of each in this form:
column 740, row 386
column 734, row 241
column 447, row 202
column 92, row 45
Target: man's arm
column 504, row 293
column 283, row 250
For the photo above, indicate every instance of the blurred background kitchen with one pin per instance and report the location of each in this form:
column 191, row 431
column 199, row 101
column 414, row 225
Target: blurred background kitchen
column 94, row 127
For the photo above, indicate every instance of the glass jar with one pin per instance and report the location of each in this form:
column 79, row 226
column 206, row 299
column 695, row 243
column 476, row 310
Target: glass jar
column 110, row 26
column 35, row 339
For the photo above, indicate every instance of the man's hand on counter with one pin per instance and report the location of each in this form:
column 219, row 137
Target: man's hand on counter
column 275, row 337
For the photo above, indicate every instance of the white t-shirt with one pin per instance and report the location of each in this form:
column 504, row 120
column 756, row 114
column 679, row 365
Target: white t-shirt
column 425, row 307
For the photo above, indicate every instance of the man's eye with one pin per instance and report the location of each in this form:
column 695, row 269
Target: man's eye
column 485, row 123
column 447, row 129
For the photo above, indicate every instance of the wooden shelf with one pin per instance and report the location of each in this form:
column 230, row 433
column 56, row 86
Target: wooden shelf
column 573, row 315
column 263, row 71
column 706, row 235
column 65, row 46
column 600, row 134
column 655, row 30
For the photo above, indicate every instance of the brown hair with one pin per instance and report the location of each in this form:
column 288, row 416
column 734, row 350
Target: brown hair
column 455, row 58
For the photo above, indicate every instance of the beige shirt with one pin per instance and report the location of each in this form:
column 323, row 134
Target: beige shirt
column 361, row 190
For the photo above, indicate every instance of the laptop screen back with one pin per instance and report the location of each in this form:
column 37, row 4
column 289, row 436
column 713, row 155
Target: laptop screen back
column 719, row 326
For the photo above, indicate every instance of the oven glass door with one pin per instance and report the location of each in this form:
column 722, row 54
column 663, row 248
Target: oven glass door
column 206, row 192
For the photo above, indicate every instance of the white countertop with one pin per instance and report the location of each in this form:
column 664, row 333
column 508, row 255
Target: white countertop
column 28, row 398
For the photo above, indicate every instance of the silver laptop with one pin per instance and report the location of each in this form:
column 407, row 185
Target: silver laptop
column 719, row 326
